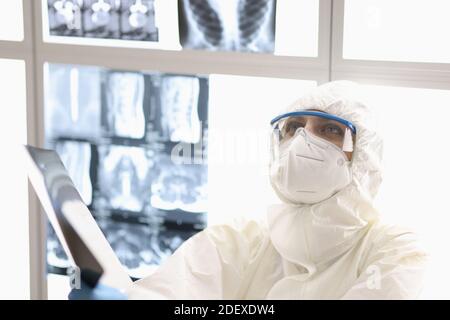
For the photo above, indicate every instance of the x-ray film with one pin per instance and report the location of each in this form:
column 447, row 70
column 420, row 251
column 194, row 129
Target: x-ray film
column 124, row 177
column 232, row 25
column 138, row 20
column 65, row 17
column 180, row 187
column 129, row 241
column 111, row 19
column 76, row 157
column 124, row 98
column 72, row 101
column 101, row 18
column 179, row 108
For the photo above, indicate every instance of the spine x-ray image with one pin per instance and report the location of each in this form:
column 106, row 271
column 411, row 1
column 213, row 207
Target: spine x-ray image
column 124, row 99
column 114, row 19
column 72, row 101
column 115, row 132
column 179, row 106
column 231, row 25
column 76, row 157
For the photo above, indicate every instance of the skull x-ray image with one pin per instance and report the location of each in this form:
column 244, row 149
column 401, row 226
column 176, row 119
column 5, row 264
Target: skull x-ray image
column 64, row 17
column 76, row 157
column 138, row 20
column 101, row 18
column 232, row 25
column 179, row 108
column 72, row 101
column 179, row 186
column 56, row 256
column 124, row 176
column 123, row 105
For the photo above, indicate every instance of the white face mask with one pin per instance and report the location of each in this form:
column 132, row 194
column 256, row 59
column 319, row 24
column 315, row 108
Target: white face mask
column 309, row 169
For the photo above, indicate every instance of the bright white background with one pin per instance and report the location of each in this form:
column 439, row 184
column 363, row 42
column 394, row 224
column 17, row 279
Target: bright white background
column 11, row 20
column 14, row 246
column 401, row 46
column 400, row 30
column 415, row 191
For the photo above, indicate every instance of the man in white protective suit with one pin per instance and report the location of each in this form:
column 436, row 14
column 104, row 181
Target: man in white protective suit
column 325, row 240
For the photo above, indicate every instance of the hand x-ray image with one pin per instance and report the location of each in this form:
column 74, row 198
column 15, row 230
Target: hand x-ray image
column 72, row 101
column 123, row 113
column 232, row 25
column 101, row 18
column 179, row 108
column 179, row 186
column 76, row 157
column 124, row 177
column 64, row 17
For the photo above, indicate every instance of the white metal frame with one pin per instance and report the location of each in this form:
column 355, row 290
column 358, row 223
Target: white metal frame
column 25, row 50
column 191, row 61
column 329, row 65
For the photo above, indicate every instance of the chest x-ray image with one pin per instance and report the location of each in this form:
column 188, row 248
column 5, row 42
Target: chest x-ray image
column 76, row 157
column 72, row 101
column 179, row 108
column 179, row 186
column 232, row 25
column 124, row 178
column 123, row 104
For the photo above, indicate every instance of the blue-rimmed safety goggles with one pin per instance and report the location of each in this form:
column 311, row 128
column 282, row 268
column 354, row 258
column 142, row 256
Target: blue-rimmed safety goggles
column 324, row 125
column 314, row 113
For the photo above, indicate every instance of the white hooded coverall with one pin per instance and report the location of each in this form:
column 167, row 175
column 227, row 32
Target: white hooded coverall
column 335, row 249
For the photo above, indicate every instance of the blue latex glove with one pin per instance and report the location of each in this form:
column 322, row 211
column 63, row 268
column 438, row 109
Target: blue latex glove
column 100, row 292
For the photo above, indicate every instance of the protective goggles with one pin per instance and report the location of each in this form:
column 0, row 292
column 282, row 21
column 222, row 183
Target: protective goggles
column 323, row 125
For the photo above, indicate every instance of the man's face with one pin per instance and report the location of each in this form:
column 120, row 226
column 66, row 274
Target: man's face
column 330, row 130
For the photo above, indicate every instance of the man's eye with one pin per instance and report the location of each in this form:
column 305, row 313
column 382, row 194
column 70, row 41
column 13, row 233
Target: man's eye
column 291, row 127
column 333, row 129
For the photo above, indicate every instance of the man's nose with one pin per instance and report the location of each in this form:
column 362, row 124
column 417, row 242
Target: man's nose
column 309, row 127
